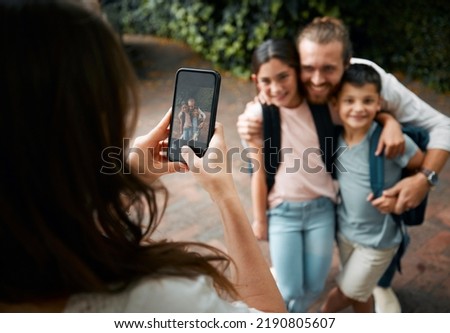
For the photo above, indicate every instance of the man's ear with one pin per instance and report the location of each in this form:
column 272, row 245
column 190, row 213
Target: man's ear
column 380, row 104
column 253, row 77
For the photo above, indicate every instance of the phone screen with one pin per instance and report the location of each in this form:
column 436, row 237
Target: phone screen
column 193, row 111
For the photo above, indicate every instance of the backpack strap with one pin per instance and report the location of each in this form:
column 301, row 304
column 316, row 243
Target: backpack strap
column 327, row 133
column 376, row 164
column 271, row 143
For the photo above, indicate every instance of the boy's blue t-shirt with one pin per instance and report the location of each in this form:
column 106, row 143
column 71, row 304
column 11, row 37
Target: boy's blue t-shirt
column 358, row 220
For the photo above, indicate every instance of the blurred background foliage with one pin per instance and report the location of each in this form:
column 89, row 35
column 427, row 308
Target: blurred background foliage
column 411, row 36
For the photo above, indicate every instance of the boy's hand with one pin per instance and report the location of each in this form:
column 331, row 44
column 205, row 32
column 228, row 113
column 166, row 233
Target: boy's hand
column 385, row 204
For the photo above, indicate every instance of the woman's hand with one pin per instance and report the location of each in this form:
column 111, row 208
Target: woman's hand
column 148, row 155
column 212, row 170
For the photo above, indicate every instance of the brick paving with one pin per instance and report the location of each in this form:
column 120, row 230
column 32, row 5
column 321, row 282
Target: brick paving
column 424, row 285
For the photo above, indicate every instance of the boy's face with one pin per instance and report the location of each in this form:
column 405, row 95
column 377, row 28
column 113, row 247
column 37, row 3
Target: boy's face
column 358, row 106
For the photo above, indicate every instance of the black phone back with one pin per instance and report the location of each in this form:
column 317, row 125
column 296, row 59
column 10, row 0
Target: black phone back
column 194, row 109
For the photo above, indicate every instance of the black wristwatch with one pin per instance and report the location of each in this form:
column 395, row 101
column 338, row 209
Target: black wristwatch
column 431, row 175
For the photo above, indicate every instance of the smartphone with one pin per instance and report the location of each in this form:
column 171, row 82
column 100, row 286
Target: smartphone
column 194, row 109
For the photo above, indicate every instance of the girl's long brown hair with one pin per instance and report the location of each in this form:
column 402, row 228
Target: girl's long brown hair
column 66, row 91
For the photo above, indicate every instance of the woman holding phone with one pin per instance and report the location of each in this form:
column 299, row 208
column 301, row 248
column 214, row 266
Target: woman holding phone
column 76, row 239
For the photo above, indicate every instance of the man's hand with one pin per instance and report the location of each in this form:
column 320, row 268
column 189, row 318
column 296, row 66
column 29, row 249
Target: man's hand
column 410, row 192
column 249, row 124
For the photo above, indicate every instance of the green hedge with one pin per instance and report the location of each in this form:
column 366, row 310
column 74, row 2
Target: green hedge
column 408, row 35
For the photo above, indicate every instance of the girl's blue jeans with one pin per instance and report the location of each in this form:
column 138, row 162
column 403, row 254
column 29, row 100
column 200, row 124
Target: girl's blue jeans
column 301, row 240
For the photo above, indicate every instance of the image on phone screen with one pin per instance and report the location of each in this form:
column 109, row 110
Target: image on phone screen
column 193, row 111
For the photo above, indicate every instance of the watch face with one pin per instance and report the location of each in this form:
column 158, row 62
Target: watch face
column 433, row 178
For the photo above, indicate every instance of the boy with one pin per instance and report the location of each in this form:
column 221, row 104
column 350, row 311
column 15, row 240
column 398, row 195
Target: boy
column 367, row 238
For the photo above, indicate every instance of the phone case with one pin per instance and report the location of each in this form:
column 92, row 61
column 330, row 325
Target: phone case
column 194, row 110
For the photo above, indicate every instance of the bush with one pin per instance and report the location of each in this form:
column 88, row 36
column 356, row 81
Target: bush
column 407, row 35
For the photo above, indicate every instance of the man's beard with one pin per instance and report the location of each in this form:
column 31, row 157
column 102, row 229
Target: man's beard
column 322, row 98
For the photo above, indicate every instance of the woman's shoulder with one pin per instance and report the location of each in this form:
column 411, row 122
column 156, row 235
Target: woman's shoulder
column 168, row 294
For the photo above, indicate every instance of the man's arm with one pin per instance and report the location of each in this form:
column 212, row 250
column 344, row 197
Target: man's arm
column 408, row 108
column 249, row 124
column 412, row 190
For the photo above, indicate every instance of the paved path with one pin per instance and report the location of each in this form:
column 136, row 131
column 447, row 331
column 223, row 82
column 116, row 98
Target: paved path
column 424, row 285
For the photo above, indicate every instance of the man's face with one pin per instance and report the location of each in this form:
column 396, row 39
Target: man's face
column 321, row 69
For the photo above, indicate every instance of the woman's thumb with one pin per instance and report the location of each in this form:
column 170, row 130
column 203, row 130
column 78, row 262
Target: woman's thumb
column 189, row 157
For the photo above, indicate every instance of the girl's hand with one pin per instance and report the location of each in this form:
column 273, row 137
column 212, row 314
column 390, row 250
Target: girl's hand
column 260, row 230
column 148, row 154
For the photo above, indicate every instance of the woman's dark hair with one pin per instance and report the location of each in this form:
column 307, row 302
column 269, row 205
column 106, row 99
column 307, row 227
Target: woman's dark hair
column 281, row 49
column 68, row 93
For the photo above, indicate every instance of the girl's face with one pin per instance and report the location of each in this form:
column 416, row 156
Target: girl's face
column 278, row 82
column 358, row 106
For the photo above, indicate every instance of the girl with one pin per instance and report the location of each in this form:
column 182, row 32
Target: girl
column 297, row 214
